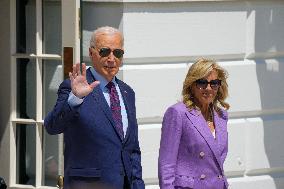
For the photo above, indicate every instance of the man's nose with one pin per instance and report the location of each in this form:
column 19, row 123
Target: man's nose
column 111, row 57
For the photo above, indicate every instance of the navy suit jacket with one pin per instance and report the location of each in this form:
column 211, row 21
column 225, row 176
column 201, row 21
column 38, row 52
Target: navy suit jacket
column 93, row 148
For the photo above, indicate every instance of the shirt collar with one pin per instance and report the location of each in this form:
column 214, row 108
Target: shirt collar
column 101, row 79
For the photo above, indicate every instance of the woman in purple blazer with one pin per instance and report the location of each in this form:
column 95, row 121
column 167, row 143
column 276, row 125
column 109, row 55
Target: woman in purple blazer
column 194, row 141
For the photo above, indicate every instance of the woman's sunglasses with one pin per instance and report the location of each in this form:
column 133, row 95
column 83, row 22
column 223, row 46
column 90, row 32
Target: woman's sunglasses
column 105, row 51
column 203, row 83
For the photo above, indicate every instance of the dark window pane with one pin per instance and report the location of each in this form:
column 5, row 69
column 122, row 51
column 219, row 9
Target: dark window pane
column 52, row 77
column 26, row 26
column 26, row 150
column 26, row 88
column 52, row 158
column 51, row 27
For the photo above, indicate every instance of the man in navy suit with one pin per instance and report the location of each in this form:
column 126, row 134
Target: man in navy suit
column 97, row 114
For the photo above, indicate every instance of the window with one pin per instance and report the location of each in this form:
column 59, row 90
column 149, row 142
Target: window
column 36, row 157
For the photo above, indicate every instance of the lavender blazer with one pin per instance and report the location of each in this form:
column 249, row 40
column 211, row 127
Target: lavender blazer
column 189, row 156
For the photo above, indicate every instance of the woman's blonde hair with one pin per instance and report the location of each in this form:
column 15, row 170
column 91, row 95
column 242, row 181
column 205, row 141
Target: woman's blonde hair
column 200, row 69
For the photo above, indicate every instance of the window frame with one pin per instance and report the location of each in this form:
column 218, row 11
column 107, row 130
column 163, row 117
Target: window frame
column 39, row 57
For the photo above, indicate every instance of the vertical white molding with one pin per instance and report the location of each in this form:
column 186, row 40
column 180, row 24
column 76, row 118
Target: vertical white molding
column 13, row 99
column 38, row 27
column 38, row 137
column 77, row 31
column 70, row 27
column 13, row 157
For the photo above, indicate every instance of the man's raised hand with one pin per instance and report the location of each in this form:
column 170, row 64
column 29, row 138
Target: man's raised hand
column 79, row 84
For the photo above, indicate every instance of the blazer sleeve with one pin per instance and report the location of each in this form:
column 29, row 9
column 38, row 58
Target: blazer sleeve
column 169, row 145
column 62, row 114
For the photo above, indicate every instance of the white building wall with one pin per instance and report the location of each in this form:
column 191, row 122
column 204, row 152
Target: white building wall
column 162, row 39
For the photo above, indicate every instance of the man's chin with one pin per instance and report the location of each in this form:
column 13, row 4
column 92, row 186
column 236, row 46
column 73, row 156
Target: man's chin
column 109, row 76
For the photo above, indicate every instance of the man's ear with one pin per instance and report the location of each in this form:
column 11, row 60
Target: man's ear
column 90, row 52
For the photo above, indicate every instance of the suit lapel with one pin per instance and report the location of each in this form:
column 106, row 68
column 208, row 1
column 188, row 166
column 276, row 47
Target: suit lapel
column 126, row 102
column 100, row 100
column 200, row 124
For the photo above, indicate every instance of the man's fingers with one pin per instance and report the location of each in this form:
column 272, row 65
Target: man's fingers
column 83, row 69
column 71, row 76
column 74, row 70
column 94, row 84
column 78, row 69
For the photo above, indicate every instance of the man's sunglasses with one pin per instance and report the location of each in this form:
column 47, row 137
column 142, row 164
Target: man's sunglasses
column 203, row 83
column 105, row 51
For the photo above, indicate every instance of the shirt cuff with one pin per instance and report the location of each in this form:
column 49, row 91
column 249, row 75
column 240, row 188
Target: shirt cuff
column 74, row 100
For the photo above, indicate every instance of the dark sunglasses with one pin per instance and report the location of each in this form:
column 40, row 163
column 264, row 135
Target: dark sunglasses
column 203, row 83
column 105, row 51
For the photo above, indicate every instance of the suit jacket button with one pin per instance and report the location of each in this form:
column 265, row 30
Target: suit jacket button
column 202, row 176
column 201, row 154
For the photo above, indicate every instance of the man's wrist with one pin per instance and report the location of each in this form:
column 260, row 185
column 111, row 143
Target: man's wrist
column 78, row 96
column 74, row 100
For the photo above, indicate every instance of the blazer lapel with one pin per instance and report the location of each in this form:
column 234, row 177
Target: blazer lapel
column 220, row 130
column 200, row 124
column 99, row 98
column 124, row 94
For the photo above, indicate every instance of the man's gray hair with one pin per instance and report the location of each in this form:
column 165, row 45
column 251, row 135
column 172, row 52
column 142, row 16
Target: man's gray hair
column 104, row 30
